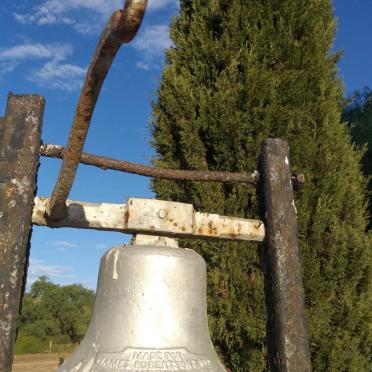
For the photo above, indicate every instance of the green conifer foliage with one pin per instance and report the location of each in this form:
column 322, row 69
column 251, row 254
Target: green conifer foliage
column 239, row 72
column 359, row 116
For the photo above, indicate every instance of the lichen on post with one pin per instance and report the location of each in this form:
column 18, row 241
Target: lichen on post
column 20, row 138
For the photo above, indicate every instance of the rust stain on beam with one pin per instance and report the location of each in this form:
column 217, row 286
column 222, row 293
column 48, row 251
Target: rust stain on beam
column 232, row 228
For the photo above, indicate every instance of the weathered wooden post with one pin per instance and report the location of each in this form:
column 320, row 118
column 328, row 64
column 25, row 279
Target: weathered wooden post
column 288, row 345
column 20, row 138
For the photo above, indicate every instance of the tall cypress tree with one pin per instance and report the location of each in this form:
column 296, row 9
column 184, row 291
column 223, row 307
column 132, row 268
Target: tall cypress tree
column 359, row 116
column 239, row 72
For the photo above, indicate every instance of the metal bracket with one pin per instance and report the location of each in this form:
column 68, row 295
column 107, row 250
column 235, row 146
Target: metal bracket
column 150, row 217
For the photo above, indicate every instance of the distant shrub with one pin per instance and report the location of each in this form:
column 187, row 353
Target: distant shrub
column 55, row 313
column 27, row 344
column 63, row 348
column 60, row 339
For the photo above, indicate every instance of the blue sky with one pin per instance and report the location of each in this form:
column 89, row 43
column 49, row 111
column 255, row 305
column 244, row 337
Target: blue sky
column 45, row 47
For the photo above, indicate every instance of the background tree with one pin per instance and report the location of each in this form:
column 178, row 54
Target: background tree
column 54, row 312
column 358, row 114
column 241, row 71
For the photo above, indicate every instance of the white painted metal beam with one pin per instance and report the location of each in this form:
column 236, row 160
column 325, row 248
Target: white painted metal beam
column 151, row 217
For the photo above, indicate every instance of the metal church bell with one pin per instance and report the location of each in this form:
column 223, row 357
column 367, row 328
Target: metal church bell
column 150, row 312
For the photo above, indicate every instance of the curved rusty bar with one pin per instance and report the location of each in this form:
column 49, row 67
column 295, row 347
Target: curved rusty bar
column 127, row 21
column 121, row 28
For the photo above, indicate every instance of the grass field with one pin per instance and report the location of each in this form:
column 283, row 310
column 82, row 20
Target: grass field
column 37, row 362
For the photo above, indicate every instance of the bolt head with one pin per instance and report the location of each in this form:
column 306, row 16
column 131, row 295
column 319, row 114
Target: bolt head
column 162, row 213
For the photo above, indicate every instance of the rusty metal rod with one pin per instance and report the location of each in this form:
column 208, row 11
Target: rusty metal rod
column 56, row 151
column 121, row 28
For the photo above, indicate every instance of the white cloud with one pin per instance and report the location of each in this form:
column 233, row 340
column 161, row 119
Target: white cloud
column 6, row 67
column 35, row 51
column 64, row 244
column 68, row 12
column 151, row 43
column 143, row 65
column 57, row 75
column 81, row 15
column 39, row 268
column 157, row 4
column 54, row 74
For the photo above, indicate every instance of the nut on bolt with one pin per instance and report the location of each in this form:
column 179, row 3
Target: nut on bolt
column 162, row 213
